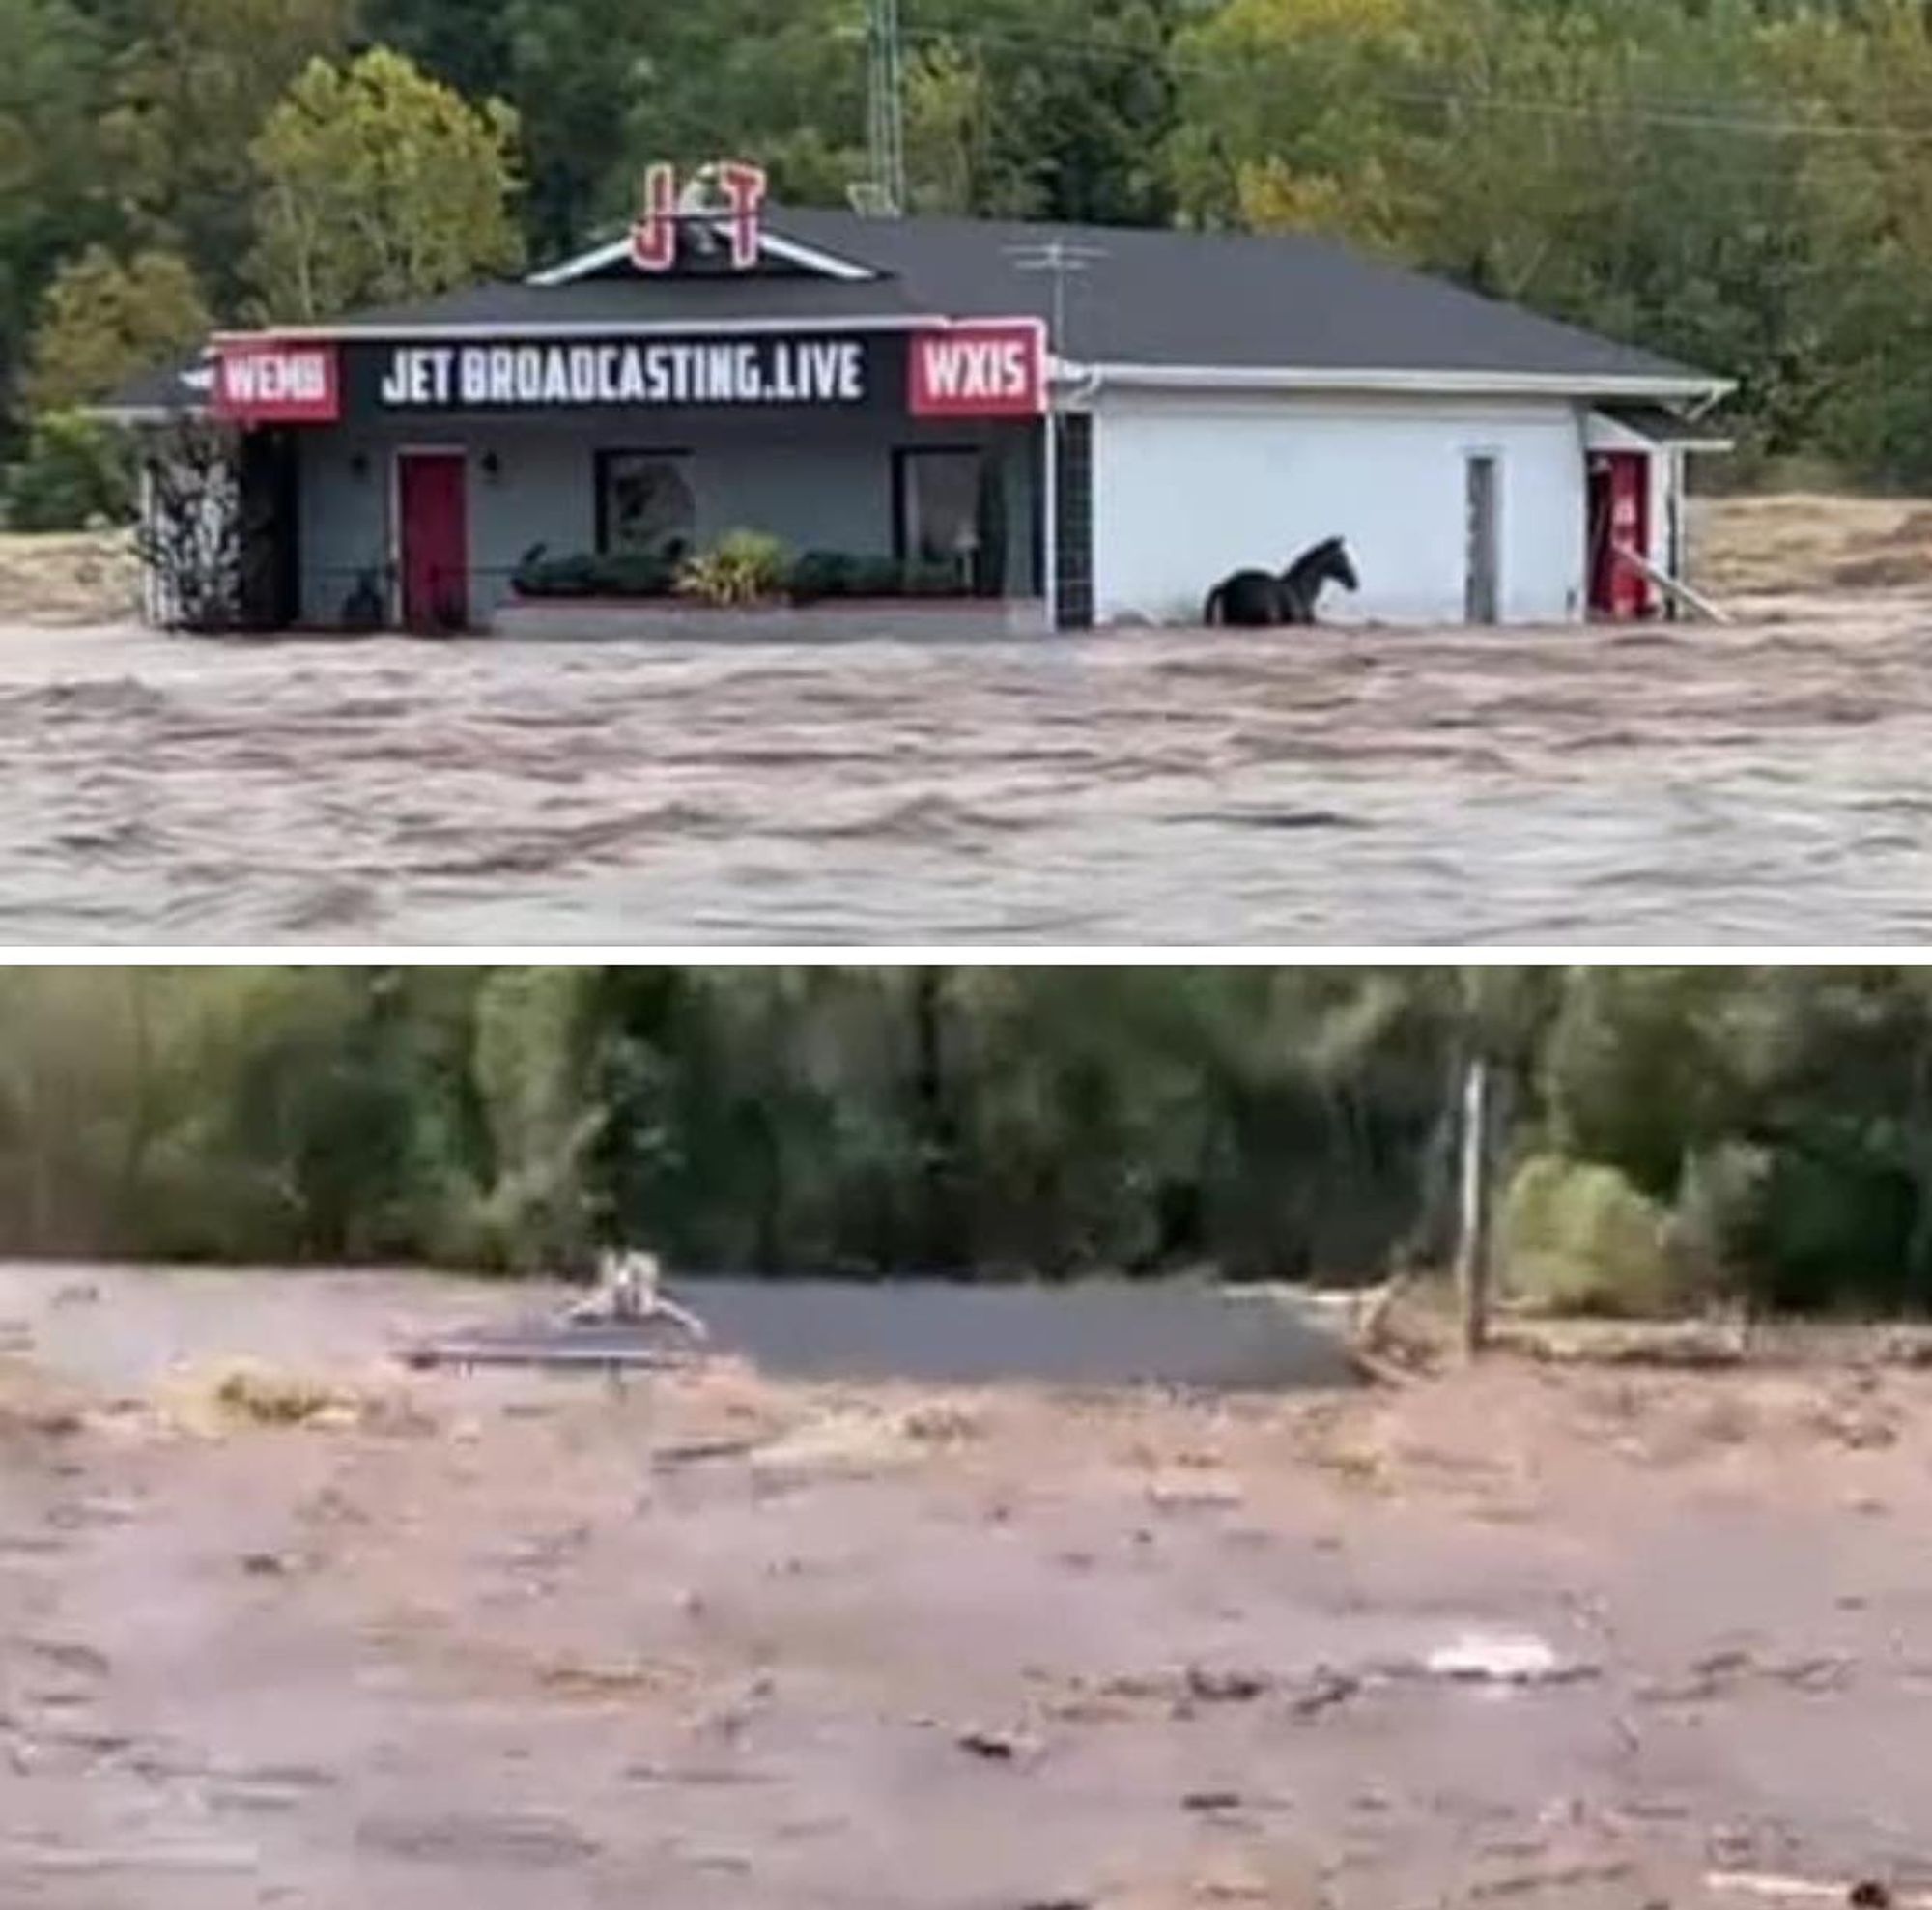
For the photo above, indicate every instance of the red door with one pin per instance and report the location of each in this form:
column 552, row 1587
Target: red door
column 433, row 498
column 1619, row 521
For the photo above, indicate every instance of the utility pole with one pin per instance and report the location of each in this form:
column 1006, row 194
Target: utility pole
column 884, row 191
column 1472, row 1232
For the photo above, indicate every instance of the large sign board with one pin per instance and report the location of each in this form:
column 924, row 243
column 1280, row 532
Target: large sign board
column 564, row 375
column 991, row 368
column 273, row 381
column 983, row 368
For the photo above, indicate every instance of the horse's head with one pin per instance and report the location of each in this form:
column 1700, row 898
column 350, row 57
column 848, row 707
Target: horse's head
column 1326, row 562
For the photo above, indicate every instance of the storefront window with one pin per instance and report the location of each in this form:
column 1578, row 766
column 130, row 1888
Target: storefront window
column 939, row 509
column 644, row 501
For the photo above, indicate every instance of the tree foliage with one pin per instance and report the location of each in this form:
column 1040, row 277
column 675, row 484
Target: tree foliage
column 1737, row 183
column 1674, row 1134
column 76, row 474
column 189, row 90
column 104, row 321
column 378, row 185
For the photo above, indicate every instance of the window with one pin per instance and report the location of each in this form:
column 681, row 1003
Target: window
column 644, row 501
column 939, row 509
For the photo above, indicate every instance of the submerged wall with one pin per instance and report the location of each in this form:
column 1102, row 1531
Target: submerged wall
column 1188, row 487
column 814, row 482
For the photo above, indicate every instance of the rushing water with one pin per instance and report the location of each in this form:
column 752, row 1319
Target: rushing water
column 1764, row 783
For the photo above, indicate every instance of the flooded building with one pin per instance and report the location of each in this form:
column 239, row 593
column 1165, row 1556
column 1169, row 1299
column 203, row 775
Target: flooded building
column 985, row 424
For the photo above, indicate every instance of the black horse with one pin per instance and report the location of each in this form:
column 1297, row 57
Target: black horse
column 1256, row 598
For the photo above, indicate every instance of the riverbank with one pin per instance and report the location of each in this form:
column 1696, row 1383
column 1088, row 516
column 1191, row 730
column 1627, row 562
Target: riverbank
column 310, row 1628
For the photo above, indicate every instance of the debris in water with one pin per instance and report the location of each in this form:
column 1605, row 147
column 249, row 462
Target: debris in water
column 996, row 1747
column 1519, row 1659
column 1325, row 1689
column 1865, row 1894
column 1233, row 1687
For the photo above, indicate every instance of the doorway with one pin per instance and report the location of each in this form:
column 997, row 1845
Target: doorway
column 269, row 469
column 1480, row 590
column 1619, row 520
column 433, row 512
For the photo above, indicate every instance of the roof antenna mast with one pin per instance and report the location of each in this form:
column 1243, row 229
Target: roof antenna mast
column 884, row 194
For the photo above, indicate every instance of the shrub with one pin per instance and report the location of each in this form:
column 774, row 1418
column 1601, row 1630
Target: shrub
column 932, row 580
column 820, row 574
column 1717, row 1230
column 583, row 573
column 1577, row 1238
column 636, row 574
column 78, row 475
column 743, row 567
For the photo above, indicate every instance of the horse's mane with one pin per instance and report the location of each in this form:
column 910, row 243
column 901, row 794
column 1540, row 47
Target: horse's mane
column 1315, row 552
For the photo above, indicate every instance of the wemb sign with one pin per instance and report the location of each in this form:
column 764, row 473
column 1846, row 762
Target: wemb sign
column 267, row 381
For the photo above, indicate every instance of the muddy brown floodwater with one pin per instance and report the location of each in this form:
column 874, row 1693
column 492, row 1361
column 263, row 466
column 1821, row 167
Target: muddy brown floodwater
column 1770, row 782
column 465, row 1644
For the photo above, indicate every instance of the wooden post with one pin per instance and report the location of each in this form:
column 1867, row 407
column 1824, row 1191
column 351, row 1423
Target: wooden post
column 1472, row 1241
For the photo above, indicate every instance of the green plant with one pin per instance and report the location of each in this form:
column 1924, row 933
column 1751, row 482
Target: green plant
column 78, row 475
column 875, row 577
column 636, row 574
column 1578, row 1238
column 743, row 567
column 927, row 578
column 622, row 574
column 820, row 574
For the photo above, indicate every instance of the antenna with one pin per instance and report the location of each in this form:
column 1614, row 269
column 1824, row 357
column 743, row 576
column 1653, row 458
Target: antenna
column 1059, row 256
column 885, row 193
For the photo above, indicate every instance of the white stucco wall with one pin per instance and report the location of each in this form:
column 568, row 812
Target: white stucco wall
column 1190, row 486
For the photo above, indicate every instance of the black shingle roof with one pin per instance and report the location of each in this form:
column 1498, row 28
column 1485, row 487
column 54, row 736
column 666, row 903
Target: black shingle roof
column 1164, row 298
column 1138, row 296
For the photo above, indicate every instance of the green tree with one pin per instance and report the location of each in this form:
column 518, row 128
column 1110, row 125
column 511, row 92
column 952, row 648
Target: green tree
column 76, row 473
column 378, row 185
column 571, row 66
column 56, row 191
column 195, row 79
column 101, row 320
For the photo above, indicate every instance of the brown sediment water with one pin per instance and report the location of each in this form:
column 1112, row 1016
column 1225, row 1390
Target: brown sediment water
column 1661, row 785
column 1567, row 1637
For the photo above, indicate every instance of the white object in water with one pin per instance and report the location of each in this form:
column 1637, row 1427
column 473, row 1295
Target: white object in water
column 1508, row 1659
column 627, row 1290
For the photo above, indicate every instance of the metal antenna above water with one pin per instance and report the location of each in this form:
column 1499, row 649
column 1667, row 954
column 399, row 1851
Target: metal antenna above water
column 1060, row 257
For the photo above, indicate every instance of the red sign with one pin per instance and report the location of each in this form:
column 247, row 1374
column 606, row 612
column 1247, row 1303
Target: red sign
column 989, row 368
column 653, row 233
column 269, row 380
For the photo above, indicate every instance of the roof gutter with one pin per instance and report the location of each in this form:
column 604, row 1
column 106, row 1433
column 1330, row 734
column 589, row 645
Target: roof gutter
column 1080, row 383
column 1684, row 388
column 509, row 330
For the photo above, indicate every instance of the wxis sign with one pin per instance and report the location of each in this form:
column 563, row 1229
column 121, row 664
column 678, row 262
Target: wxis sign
column 978, row 368
column 654, row 232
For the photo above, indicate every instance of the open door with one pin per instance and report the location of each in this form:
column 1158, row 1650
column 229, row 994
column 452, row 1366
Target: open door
column 1619, row 520
column 1480, row 593
column 433, row 512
